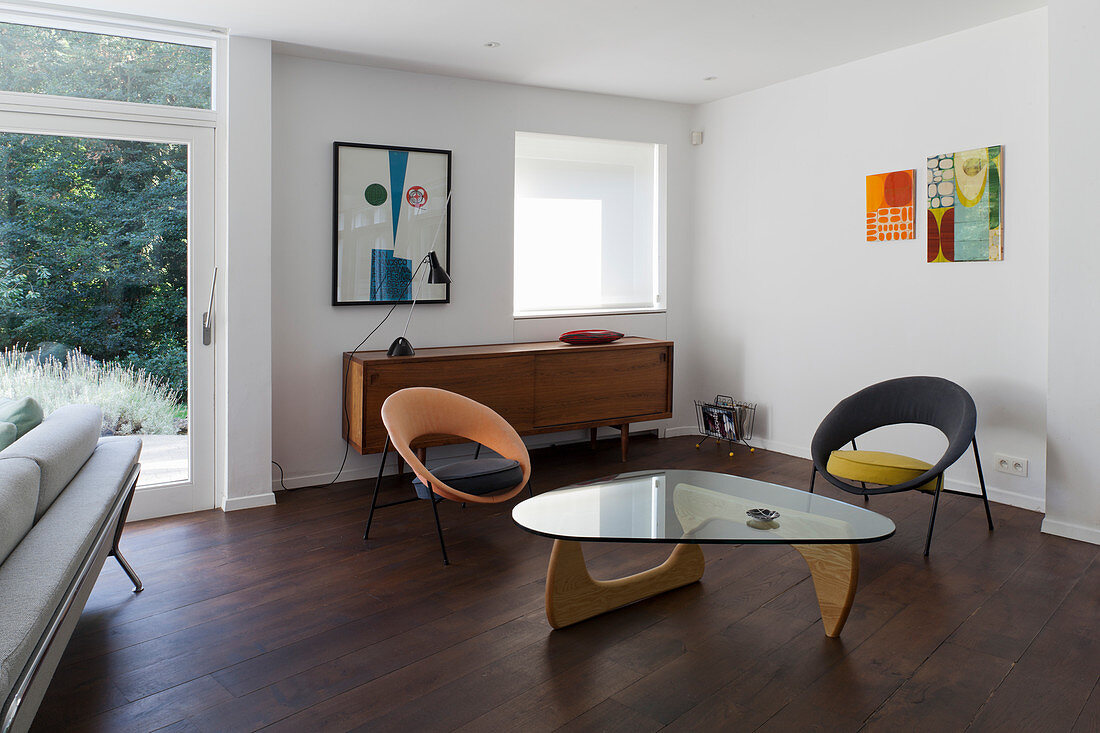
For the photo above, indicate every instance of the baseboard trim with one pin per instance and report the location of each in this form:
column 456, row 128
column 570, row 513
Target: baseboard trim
column 788, row 449
column 533, row 442
column 252, row 501
column 1000, row 496
column 1071, row 531
column 997, row 495
column 321, row 479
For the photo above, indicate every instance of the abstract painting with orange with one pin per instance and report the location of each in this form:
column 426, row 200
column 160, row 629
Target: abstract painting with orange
column 890, row 206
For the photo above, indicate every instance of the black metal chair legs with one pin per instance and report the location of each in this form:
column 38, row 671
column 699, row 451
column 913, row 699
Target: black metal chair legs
column 434, row 500
column 377, row 486
column 981, row 482
column 932, row 517
column 936, row 497
column 439, row 528
column 940, row 489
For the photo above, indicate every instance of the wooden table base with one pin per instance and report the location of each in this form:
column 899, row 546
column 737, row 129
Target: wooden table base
column 835, row 570
column 572, row 594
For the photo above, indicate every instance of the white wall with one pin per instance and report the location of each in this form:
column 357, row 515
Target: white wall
column 1073, row 401
column 315, row 103
column 243, row 324
column 800, row 311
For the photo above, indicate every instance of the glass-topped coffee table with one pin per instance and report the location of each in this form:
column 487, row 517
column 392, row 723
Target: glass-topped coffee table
column 687, row 509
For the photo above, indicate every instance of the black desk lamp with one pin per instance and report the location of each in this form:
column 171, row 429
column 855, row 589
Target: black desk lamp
column 436, row 274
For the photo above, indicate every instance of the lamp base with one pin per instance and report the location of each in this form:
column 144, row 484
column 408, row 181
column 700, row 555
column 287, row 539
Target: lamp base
column 401, row 347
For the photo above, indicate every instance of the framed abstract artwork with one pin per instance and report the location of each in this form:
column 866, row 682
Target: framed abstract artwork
column 890, row 203
column 390, row 208
column 965, row 206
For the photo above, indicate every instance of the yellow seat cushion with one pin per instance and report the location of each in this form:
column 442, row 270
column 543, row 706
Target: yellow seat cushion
column 876, row 467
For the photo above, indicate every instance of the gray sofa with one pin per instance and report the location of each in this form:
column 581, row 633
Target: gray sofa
column 64, row 495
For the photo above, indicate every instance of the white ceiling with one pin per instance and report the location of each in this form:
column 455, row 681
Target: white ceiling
column 654, row 49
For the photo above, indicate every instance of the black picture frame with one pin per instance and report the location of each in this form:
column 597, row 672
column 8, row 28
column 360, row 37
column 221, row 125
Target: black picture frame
column 367, row 173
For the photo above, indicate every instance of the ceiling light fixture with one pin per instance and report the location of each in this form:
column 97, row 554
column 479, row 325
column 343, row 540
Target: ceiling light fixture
column 709, row 78
column 492, row 44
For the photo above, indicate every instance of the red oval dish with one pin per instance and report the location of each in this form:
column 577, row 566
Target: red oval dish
column 591, row 336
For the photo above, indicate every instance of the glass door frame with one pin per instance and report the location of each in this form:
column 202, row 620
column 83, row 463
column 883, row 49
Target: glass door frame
column 199, row 492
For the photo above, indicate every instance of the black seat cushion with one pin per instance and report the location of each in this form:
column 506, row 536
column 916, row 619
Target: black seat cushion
column 479, row 477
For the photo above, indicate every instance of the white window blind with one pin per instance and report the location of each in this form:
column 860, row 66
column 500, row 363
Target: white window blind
column 588, row 225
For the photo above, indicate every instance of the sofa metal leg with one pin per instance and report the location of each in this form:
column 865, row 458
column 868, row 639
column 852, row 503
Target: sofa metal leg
column 138, row 587
column 115, row 553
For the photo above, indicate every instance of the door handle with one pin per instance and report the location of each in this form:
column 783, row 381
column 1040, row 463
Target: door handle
column 208, row 316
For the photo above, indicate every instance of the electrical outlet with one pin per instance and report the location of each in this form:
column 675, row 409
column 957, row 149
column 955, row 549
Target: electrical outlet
column 1010, row 464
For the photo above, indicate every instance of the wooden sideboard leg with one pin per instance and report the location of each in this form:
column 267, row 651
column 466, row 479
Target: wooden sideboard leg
column 592, row 438
column 422, row 455
column 624, row 438
column 835, row 570
column 572, row 595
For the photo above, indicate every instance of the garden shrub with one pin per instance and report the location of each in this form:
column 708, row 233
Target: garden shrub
column 133, row 402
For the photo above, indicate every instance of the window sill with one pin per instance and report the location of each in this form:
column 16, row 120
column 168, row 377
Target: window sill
column 586, row 313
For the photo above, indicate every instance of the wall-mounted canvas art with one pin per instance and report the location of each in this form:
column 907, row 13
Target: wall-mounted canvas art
column 390, row 208
column 890, row 203
column 965, row 211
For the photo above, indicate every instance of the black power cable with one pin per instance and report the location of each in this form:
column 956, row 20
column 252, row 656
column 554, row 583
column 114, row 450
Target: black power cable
column 343, row 393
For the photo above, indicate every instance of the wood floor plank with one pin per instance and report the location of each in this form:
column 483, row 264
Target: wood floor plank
column 1088, row 721
column 154, row 711
column 1005, row 627
column 806, row 682
column 1050, row 686
column 611, row 717
column 955, row 678
column 283, row 617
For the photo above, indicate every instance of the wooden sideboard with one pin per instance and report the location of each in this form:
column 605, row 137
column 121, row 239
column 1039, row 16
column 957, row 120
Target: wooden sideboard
column 537, row 387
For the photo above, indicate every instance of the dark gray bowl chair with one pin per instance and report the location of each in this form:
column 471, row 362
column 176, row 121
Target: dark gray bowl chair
column 923, row 400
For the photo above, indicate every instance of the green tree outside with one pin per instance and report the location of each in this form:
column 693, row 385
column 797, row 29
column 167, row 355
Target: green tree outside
column 93, row 249
column 93, row 232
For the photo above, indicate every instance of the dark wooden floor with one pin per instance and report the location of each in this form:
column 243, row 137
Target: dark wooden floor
column 282, row 617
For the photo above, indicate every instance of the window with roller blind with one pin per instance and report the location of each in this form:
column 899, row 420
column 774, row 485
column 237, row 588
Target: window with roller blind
column 589, row 226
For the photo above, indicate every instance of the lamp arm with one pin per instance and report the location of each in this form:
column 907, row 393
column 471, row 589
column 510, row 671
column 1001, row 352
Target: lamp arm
column 415, row 296
column 435, row 238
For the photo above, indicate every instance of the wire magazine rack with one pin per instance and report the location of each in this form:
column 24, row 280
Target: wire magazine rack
column 726, row 419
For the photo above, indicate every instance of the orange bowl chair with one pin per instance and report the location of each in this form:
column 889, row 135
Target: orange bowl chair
column 416, row 412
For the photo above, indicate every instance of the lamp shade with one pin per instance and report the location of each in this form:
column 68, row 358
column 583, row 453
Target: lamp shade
column 436, row 273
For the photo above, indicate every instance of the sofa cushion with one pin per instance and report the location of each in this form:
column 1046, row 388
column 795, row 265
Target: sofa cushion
column 60, row 446
column 25, row 413
column 18, row 499
column 8, row 434
column 479, row 477
column 34, row 578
